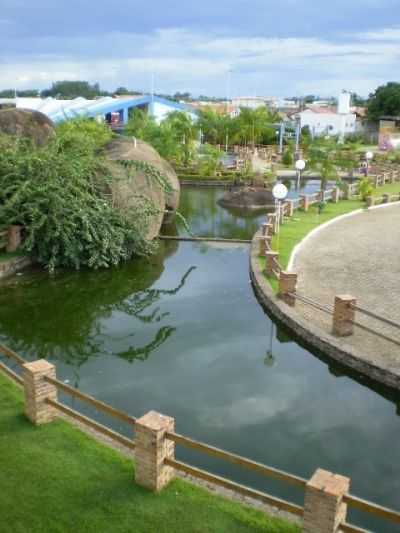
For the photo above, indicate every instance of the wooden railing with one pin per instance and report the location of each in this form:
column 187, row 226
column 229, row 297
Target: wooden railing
column 181, row 440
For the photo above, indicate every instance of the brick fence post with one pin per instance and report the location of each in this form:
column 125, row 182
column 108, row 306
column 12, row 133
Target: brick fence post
column 264, row 228
column 272, row 219
column 343, row 315
column 287, row 286
column 264, row 245
column 305, row 201
column 152, row 447
column 324, row 509
column 14, row 238
column 270, row 263
column 37, row 389
column 269, row 230
column 335, row 195
column 370, row 201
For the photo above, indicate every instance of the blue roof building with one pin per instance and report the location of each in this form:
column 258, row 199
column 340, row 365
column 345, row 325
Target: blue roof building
column 112, row 110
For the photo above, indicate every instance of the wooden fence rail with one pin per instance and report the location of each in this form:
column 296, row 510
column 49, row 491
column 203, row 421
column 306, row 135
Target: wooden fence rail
column 237, row 460
column 100, row 406
column 42, row 366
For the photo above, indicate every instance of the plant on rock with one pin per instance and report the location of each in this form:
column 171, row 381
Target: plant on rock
column 59, row 193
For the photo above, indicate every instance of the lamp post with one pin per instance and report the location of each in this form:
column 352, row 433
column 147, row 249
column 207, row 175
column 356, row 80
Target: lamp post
column 279, row 192
column 300, row 166
column 368, row 156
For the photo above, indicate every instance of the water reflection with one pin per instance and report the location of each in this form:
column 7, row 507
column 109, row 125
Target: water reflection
column 69, row 324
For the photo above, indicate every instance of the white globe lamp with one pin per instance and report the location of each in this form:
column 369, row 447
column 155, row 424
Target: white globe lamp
column 300, row 165
column 279, row 191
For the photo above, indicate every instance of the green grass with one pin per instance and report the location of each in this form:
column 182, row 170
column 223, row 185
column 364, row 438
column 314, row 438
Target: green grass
column 389, row 188
column 296, row 228
column 56, row 479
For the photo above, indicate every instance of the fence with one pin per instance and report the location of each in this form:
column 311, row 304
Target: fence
column 344, row 306
column 326, row 495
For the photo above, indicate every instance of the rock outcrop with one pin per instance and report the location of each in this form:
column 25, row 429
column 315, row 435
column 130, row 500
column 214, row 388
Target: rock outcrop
column 126, row 191
column 26, row 123
column 249, row 198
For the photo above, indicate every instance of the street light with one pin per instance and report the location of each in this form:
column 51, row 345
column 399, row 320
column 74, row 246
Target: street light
column 300, row 166
column 279, row 192
column 368, row 156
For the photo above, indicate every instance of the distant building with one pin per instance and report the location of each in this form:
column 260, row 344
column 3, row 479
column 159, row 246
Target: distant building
column 389, row 133
column 330, row 121
column 114, row 111
column 252, row 102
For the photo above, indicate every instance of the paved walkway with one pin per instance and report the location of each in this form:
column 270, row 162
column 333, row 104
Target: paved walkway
column 358, row 255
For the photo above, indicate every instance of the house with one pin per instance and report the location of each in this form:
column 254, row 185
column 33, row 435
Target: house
column 329, row 120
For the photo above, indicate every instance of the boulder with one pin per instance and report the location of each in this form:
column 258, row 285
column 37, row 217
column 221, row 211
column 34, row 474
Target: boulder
column 125, row 190
column 26, row 123
column 249, row 198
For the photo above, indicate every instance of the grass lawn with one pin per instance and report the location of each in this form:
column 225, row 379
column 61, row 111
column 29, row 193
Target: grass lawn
column 389, row 188
column 296, row 228
column 56, row 479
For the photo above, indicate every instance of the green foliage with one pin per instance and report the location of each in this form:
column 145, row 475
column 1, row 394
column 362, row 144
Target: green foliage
column 87, row 131
column 174, row 139
column 60, row 194
column 365, row 187
column 251, row 126
column 72, row 89
column 327, row 157
column 287, row 158
column 209, row 160
column 384, row 101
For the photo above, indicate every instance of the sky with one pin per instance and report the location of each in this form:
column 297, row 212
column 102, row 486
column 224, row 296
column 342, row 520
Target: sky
column 221, row 48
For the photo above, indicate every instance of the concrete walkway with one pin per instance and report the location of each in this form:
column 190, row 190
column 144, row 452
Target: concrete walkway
column 358, row 255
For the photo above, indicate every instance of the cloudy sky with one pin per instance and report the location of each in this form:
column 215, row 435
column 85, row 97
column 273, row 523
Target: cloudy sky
column 265, row 47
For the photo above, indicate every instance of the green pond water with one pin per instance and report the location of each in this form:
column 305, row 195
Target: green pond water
column 183, row 333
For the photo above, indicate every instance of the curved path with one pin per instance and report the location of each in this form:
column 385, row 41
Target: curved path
column 357, row 255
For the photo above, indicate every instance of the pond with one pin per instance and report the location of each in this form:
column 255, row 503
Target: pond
column 183, row 333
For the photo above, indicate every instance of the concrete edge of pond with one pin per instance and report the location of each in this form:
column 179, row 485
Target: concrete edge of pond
column 11, row 266
column 334, row 348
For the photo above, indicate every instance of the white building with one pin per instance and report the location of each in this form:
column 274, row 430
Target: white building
column 251, row 102
column 328, row 120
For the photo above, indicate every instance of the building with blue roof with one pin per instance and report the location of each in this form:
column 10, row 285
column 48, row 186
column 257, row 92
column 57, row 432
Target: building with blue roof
column 115, row 111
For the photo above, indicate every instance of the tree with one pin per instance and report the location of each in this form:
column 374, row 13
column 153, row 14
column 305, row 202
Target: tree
column 122, row 91
column 26, row 93
column 384, row 101
column 357, row 100
column 72, row 89
column 173, row 139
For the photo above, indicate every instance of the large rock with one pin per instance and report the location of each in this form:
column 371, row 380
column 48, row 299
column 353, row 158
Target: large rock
column 125, row 190
column 26, row 123
column 248, row 198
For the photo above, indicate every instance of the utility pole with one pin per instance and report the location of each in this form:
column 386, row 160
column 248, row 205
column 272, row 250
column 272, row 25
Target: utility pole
column 281, row 135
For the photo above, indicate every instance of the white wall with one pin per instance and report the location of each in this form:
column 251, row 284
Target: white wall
column 328, row 123
column 160, row 111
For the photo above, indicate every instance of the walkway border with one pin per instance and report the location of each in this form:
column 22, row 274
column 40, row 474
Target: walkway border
column 316, row 230
column 309, row 333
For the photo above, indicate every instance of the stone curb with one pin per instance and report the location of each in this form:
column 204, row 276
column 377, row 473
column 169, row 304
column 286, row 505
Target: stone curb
column 310, row 334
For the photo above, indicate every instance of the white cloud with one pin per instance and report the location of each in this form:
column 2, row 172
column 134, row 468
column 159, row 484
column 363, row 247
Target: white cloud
column 199, row 62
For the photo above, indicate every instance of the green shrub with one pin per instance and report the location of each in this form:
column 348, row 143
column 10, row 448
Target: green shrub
column 59, row 193
column 287, row 158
